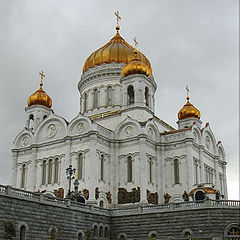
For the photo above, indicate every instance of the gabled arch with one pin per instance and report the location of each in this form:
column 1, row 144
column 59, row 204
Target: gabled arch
column 79, row 125
column 207, row 133
column 196, row 132
column 127, row 128
column 155, row 133
column 54, row 127
column 23, row 139
column 221, row 151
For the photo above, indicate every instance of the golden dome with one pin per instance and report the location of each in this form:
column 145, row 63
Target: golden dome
column 188, row 111
column 136, row 66
column 40, row 98
column 117, row 50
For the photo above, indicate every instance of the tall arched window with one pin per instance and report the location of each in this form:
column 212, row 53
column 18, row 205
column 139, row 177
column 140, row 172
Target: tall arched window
column 80, row 236
column 109, row 95
column 80, row 166
column 50, row 163
column 53, row 234
column 147, row 96
column 101, row 204
column 176, row 171
column 150, row 170
column 95, row 98
column 95, row 230
column 101, row 167
column 129, row 169
column 106, row 232
column 23, row 176
column 22, row 232
column 56, row 167
column 130, row 93
column 44, row 172
column 101, row 231
column 85, row 102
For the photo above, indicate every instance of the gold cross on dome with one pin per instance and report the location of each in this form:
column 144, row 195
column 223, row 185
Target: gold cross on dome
column 118, row 17
column 136, row 43
column 187, row 91
column 42, row 76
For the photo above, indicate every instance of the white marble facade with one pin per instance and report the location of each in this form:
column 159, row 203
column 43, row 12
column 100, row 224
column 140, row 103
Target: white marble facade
column 108, row 134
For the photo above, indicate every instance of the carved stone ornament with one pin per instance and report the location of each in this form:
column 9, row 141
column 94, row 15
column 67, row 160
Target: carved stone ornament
column 150, row 133
column 86, row 193
column 25, row 141
column 152, row 197
column 207, row 141
column 81, row 127
column 96, row 193
column 51, row 130
column 59, row 193
column 109, row 197
column 166, row 197
column 128, row 197
column 128, row 131
column 185, row 196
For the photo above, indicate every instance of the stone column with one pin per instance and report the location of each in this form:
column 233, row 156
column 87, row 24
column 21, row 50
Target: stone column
column 202, row 180
column 90, row 100
column 38, row 174
column 18, row 175
column 225, row 182
column 216, row 175
column 102, row 97
column 92, row 172
column 189, row 166
column 161, row 176
column 14, row 168
column 143, row 176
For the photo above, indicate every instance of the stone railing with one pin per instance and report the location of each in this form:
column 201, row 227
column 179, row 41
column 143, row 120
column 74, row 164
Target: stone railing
column 137, row 209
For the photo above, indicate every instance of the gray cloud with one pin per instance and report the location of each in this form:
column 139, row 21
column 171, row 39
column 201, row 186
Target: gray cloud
column 188, row 42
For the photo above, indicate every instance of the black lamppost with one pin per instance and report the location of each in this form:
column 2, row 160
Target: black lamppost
column 70, row 176
column 76, row 184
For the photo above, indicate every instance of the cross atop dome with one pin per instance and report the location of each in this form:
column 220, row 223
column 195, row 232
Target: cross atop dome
column 118, row 18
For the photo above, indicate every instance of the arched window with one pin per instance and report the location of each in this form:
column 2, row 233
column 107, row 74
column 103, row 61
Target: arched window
column 130, row 93
column 44, row 172
column 30, row 121
column 176, row 171
column 80, row 166
column 85, row 102
column 109, row 95
column 101, row 231
column 153, row 236
column 50, row 171
column 95, row 230
column 101, row 167
column 22, row 232
column 23, row 176
column 80, row 236
column 150, row 170
column 101, row 204
column 122, row 237
column 129, row 169
column 106, row 232
column 56, row 167
column 146, row 96
column 53, row 234
column 95, row 98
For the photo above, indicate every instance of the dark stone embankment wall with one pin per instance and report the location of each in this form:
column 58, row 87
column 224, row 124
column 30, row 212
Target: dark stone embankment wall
column 40, row 216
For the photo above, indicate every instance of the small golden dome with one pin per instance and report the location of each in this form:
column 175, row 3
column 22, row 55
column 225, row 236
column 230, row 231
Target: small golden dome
column 188, row 111
column 136, row 66
column 117, row 50
column 40, row 97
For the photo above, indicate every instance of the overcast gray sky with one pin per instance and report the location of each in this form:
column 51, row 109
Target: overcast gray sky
column 192, row 42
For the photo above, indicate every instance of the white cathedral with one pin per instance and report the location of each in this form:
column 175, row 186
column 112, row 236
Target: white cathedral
column 122, row 152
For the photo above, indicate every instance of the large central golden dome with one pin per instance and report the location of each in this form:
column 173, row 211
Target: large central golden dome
column 117, row 50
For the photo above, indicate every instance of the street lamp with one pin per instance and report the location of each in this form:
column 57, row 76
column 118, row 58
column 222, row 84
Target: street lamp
column 70, row 176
